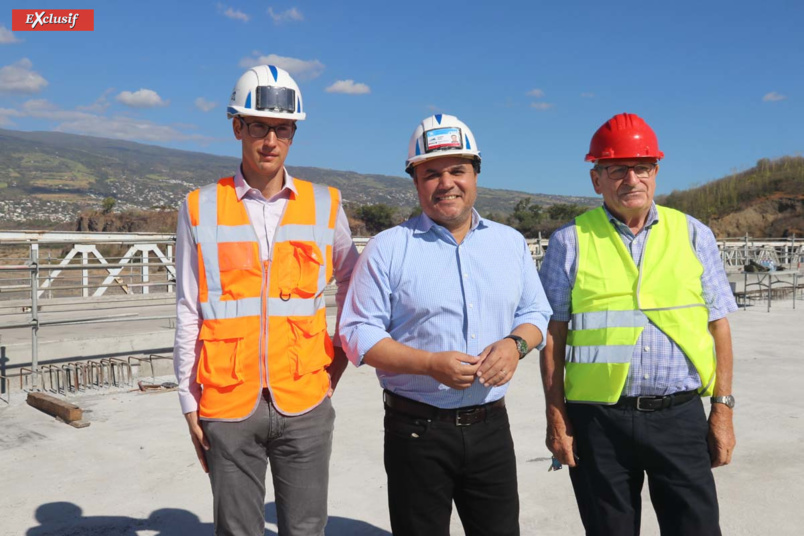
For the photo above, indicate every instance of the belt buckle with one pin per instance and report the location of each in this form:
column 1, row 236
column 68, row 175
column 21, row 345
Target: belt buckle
column 641, row 398
column 469, row 413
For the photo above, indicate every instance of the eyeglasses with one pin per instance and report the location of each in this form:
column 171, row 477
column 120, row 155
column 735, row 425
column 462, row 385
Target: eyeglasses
column 642, row 171
column 261, row 130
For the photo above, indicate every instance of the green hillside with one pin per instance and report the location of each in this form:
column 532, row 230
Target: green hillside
column 781, row 177
column 51, row 176
column 764, row 201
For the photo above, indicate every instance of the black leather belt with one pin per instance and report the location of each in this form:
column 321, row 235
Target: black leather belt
column 459, row 416
column 655, row 403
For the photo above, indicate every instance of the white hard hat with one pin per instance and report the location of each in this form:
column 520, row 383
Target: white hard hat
column 441, row 135
column 266, row 91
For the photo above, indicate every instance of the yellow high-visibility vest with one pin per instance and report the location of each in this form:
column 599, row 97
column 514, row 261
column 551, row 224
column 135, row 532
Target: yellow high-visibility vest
column 613, row 299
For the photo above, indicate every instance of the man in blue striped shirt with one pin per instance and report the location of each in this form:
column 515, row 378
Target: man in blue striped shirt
column 444, row 306
column 654, row 423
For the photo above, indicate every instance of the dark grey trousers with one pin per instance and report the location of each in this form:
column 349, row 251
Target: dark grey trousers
column 298, row 449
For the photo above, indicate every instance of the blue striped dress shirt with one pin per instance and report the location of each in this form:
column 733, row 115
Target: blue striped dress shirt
column 658, row 365
column 416, row 284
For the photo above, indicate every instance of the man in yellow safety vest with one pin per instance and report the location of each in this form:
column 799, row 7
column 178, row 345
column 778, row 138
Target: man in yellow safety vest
column 638, row 335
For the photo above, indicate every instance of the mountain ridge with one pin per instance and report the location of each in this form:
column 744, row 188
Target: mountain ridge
column 49, row 177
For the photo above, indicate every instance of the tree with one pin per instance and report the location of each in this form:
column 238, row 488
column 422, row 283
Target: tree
column 108, row 204
column 376, row 217
column 564, row 212
column 415, row 212
column 526, row 217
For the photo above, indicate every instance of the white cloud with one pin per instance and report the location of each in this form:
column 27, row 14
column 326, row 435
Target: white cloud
column 19, row 78
column 234, row 14
column 587, row 95
column 204, row 105
column 6, row 114
column 541, row 106
column 44, row 109
column 7, row 37
column 349, row 87
column 538, row 93
column 291, row 14
column 93, row 124
column 301, row 69
column 773, row 97
column 100, row 104
column 142, row 98
column 127, row 128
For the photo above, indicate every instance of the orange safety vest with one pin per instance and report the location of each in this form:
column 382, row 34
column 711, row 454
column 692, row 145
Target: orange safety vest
column 264, row 323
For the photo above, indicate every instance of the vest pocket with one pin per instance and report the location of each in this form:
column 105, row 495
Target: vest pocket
column 218, row 364
column 296, row 268
column 310, row 346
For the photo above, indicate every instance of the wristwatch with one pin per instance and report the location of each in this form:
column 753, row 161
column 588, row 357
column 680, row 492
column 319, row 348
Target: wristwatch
column 728, row 400
column 521, row 345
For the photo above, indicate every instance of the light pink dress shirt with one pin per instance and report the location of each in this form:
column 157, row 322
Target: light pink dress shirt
column 264, row 215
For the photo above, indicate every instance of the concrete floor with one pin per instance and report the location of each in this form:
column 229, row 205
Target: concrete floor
column 133, row 471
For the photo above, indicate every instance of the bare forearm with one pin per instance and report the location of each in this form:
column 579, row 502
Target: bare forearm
column 721, row 333
column 552, row 368
column 392, row 356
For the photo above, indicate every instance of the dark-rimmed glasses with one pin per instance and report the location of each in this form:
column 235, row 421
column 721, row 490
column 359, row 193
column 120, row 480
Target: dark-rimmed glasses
column 617, row 172
column 261, row 130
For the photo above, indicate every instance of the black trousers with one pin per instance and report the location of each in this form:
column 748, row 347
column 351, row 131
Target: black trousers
column 618, row 446
column 430, row 464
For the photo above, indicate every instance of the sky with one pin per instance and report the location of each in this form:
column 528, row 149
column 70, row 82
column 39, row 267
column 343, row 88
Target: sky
column 721, row 83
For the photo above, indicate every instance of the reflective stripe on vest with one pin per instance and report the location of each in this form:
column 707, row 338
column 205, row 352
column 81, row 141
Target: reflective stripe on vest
column 264, row 323
column 614, row 299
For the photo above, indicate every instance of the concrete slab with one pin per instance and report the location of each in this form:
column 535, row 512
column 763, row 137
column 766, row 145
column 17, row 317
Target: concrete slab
column 133, row 472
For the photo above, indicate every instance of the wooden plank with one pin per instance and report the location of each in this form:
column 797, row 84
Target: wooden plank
column 56, row 407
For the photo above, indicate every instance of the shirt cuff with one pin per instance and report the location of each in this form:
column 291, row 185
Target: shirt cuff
column 189, row 402
column 367, row 339
column 716, row 313
column 540, row 321
column 561, row 316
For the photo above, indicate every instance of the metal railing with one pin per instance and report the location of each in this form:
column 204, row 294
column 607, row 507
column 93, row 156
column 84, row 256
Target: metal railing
column 45, row 276
column 84, row 274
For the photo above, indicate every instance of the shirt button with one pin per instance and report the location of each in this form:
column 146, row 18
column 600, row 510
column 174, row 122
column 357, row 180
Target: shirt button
column 466, row 276
column 646, row 376
column 473, row 335
column 647, row 348
column 470, row 306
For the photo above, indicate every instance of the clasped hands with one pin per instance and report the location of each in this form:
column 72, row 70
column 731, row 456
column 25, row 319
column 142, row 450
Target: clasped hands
column 494, row 366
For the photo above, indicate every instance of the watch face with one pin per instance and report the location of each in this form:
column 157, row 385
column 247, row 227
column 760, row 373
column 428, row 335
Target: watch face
column 727, row 400
column 522, row 346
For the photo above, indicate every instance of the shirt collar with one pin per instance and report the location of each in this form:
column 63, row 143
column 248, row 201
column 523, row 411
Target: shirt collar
column 242, row 188
column 652, row 219
column 426, row 224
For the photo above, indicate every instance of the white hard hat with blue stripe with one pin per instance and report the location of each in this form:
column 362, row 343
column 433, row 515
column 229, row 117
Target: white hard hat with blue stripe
column 441, row 135
column 266, row 91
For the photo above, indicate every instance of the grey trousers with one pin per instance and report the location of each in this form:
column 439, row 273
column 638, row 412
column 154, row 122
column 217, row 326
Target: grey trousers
column 298, row 449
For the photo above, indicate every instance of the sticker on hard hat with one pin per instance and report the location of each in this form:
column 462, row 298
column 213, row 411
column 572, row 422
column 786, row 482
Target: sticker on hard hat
column 439, row 139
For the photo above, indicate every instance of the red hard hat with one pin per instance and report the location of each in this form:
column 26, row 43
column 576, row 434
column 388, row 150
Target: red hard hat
column 624, row 136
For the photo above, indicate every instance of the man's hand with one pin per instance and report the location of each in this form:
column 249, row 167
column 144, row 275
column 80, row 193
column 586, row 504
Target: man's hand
column 560, row 441
column 336, row 369
column 498, row 361
column 721, row 435
column 454, row 369
column 199, row 441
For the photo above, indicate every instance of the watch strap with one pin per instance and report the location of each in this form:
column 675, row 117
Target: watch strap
column 727, row 400
column 521, row 345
